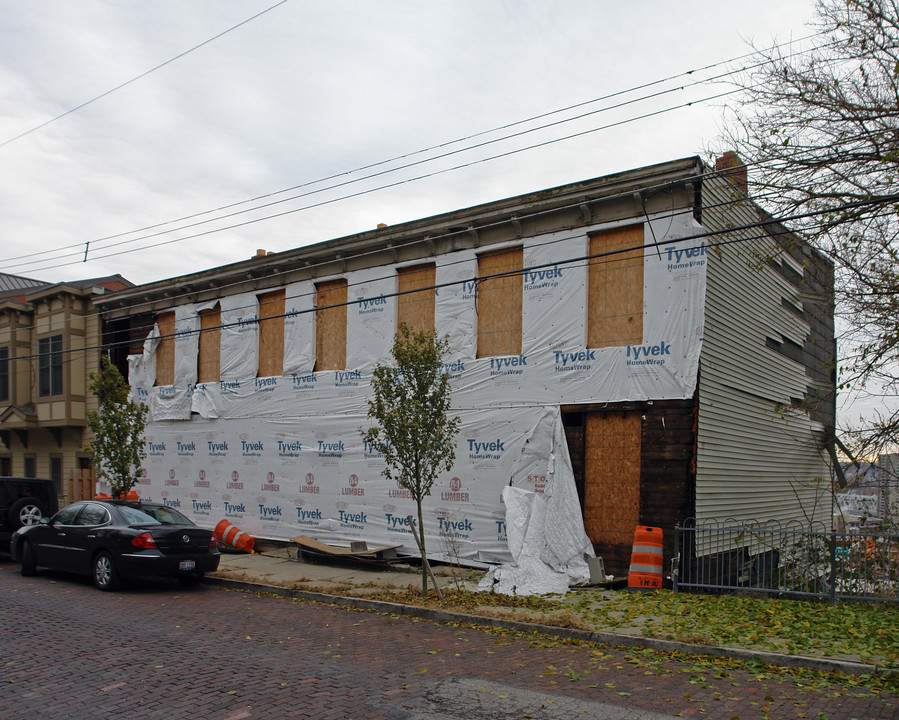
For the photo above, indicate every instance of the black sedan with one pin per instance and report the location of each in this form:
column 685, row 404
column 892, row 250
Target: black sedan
column 111, row 540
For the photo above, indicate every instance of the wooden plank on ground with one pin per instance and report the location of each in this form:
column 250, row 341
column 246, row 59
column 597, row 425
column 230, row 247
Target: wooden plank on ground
column 339, row 550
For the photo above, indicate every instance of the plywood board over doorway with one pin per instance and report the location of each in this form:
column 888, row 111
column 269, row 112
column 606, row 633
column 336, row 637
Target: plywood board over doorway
column 612, row 446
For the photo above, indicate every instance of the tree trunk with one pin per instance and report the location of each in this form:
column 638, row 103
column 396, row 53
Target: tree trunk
column 424, row 554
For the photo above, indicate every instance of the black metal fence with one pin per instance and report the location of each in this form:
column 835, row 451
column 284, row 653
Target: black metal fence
column 787, row 559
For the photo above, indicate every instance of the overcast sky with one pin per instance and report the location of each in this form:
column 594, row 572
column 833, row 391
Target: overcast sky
column 314, row 90
column 309, row 90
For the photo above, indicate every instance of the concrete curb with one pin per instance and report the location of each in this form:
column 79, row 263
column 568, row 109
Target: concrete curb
column 605, row 638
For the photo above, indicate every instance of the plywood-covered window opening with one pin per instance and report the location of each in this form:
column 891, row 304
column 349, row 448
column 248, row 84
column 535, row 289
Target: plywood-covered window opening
column 165, row 351
column 271, row 333
column 612, row 445
column 499, row 302
column 330, row 325
column 615, row 289
column 210, row 346
column 416, row 294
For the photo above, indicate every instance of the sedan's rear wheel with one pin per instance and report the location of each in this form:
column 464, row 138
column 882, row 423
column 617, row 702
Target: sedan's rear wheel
column 106, row 577
column 29, row 564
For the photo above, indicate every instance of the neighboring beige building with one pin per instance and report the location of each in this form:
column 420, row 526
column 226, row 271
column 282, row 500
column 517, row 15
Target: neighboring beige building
column 50, row 340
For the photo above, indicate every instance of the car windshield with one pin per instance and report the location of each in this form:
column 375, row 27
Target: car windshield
column 150, row 515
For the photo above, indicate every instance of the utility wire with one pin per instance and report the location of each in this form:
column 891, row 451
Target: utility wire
column 418, row 152
column 760, row 225
column 645, row 189
column 648, row 189
column 137, row 77
column 404, row 181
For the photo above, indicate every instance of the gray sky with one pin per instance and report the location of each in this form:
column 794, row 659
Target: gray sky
column 310, row 90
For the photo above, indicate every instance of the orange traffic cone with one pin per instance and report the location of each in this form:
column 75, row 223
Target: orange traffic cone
column 226, row 533
column 646, row 559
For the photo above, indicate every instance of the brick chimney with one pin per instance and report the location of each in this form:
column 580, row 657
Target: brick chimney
column 731, row 167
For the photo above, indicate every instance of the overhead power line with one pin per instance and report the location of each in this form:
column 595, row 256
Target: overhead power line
column 368, row 191
column 650, row 189
column 737, row 199
column 82, row 247
column 137, row 77
column 760, row 225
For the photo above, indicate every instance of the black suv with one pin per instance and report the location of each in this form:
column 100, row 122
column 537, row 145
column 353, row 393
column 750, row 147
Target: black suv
column 24, row 501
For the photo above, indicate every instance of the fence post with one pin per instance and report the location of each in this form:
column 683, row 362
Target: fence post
column 675, row 561
column 833, row 568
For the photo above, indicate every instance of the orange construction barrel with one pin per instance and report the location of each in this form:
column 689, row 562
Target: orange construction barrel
column 226, row 533
column 646, row 559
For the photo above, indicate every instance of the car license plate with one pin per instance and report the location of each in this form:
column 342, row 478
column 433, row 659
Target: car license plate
column 187, row 565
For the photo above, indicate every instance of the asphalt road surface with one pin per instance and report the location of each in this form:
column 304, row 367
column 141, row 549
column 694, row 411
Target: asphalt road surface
column 155, row 650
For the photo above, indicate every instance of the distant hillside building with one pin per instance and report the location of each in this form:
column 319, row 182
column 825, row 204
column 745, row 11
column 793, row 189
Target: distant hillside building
column 678, row 339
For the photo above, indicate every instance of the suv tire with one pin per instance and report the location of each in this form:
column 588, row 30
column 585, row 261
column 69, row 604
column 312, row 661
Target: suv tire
column 26, row 511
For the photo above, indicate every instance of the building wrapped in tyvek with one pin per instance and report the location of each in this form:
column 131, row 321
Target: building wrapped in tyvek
column 679, row 340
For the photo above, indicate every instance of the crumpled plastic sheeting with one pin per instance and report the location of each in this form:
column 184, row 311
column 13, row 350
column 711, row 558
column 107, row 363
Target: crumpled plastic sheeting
column 142, row 368
column 170, row 403
column 204, row 402
column 187, row 341
column 239, row 337
column 545, row 534
column 566, row 542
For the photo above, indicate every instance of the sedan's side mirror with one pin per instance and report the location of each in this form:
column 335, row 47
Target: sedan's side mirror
column 44, row 520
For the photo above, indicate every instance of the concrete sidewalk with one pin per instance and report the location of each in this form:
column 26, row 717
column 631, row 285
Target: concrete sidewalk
column 282, row 566
column 279, row 570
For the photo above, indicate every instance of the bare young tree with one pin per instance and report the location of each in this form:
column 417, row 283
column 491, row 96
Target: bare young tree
column 410, row 406
column 819, row 131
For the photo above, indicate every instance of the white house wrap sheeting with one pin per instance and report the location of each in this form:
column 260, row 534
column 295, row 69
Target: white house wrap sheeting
column 546, row 535
column 283, row 456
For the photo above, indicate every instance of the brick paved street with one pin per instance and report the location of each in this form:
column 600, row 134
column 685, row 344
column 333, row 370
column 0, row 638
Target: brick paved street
column 157, row 651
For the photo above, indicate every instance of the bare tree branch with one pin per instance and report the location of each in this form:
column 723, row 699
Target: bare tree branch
column 821, row 130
